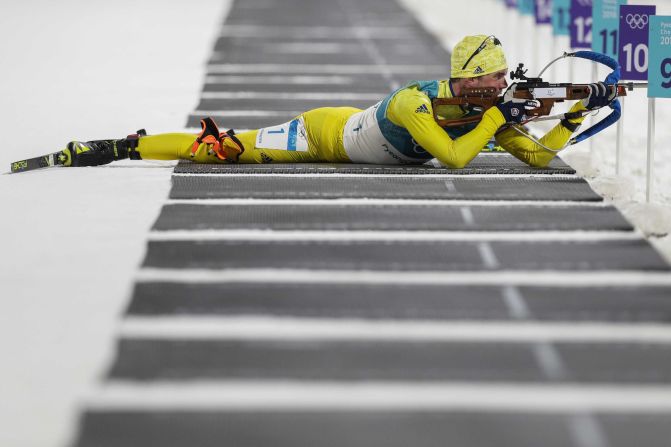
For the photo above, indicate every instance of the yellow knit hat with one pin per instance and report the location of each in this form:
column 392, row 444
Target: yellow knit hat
column 477, row 56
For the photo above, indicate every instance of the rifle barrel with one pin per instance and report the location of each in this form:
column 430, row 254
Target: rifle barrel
column 632, row 85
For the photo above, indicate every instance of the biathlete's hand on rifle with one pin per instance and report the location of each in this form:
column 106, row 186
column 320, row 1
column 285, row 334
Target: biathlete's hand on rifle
column 600, row 95
column 514, row 109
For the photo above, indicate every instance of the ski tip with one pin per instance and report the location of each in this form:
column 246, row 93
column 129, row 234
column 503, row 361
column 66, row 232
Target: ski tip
column 19, row 166
column 44, row 161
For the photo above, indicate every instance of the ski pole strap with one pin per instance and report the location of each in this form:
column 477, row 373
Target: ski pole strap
column 612, row 79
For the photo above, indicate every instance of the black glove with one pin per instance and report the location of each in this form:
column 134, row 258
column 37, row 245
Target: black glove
column 600, row 95
column 514, row 109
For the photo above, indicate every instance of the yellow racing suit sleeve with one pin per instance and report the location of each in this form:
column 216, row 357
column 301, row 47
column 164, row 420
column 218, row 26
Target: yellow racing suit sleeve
column 406, row 110
column 530, row 152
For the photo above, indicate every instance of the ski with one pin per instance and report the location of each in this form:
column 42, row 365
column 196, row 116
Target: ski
column 44, row 161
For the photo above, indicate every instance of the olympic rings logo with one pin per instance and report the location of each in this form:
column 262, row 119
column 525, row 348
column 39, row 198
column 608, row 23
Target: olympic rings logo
column 637, row 21
column 416, row 148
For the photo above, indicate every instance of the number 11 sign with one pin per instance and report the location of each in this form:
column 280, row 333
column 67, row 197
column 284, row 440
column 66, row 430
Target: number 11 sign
column 560, row 17
column 606, row 15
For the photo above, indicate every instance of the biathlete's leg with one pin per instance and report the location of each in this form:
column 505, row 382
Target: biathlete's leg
column 323, row 129
column 167, row 146
column 174, row 146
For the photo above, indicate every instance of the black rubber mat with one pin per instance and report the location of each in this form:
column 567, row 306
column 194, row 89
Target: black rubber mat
column 402, row 301
column 406, row 255
column 485, row 163
column 303, row 43
column 326, row 187
column 361, row 428
column 245, row 54
column 320, row 300
column 389, row 218
column 339, row 51
column 395, row 360
column 353, row 51
column 319, row 360
column 311, row 84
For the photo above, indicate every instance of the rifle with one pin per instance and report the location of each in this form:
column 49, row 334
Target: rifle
column 545, row 95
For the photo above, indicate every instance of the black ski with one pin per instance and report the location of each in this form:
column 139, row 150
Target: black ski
column 44, row 161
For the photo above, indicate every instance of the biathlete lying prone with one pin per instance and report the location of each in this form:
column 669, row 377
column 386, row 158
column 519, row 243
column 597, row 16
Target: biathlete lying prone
column 400, row 129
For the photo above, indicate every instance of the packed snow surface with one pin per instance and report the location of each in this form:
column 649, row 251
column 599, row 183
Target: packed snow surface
column 72, row 239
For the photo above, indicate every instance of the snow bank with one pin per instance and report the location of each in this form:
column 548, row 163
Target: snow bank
column 72, row 239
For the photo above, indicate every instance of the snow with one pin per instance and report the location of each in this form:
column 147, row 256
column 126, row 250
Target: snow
column 72, row 240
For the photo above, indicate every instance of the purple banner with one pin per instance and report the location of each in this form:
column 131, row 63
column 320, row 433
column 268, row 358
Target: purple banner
column 581, row 24
column 633, row 45
column 543, row 11
column 511, row 4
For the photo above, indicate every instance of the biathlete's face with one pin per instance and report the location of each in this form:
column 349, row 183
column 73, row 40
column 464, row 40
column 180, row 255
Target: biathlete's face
column 496, row 80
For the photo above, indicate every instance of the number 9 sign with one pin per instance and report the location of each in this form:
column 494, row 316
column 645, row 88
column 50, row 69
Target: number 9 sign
column 659, row 78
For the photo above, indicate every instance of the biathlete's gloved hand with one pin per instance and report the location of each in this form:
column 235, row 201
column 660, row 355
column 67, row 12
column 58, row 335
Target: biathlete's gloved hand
column 600, row 95
column 514, row 109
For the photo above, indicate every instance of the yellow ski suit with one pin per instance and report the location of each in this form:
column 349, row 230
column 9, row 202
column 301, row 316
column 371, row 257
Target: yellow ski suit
column 400, row 129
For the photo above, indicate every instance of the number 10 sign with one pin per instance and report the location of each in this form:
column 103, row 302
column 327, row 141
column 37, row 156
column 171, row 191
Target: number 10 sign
column 633, row 46
column 659, row 78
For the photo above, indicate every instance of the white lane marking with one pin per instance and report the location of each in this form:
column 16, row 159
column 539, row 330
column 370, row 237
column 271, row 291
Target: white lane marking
column 550, row 361
column 515, row 302
column 391, row 202
column 281, row 80
column 586, row 431
column 310, row 32
column 612, row 278
column 244, row 113
column 449, row 184
column 374, row 53
column 304, row 96
column 303, row 47
column 467, row 215
column 319, row 68
column 385, row 397
column 373, row 235
column 488, row 256
column 264, row 327
column 546, row 355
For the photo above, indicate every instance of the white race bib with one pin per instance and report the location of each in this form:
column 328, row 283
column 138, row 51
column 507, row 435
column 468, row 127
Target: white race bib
column 364, row 142
column 289, row 136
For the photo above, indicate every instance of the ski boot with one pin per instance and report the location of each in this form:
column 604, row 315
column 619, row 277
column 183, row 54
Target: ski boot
column 101, row 152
